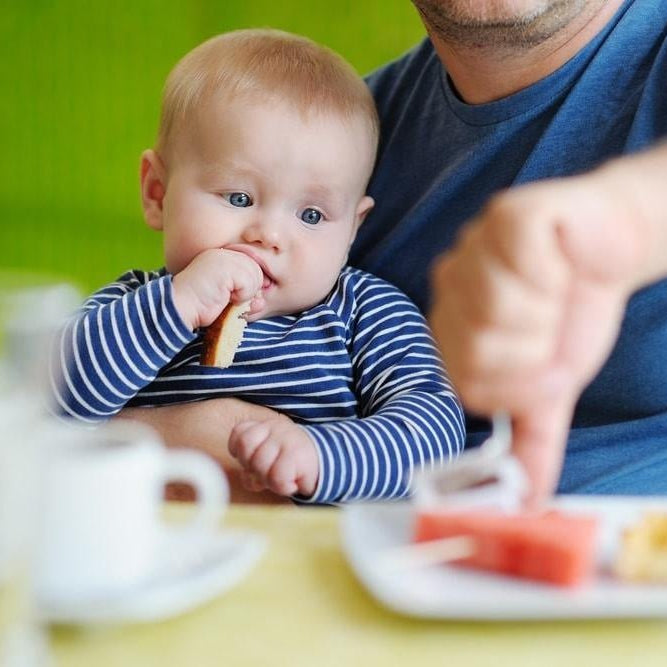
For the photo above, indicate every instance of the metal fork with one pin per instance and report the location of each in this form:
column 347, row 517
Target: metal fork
column 485, row 476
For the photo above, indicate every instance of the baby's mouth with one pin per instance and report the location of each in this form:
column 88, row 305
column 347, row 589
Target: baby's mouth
column 267, row 282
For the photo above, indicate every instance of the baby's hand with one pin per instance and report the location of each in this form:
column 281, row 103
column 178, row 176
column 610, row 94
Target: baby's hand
column 276, row 454
column 211, row 280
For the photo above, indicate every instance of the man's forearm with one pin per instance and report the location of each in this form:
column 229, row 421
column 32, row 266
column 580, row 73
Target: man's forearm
column 202, row 425
column 205, row 426
column 641, row 181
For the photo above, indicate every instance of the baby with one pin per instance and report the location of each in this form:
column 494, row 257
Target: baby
column 257, row 183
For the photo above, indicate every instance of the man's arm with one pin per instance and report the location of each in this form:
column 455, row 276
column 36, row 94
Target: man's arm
column 206, row 425
column 528, row 304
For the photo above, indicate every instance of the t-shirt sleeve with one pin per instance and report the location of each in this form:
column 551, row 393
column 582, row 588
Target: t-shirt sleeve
column 115, row 345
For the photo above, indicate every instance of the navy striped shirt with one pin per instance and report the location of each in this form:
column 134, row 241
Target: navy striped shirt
column 359, row 372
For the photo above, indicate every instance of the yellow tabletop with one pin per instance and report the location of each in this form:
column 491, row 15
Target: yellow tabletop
column 303, row 606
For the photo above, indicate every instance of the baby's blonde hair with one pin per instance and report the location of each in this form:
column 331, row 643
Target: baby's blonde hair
column 262, row 65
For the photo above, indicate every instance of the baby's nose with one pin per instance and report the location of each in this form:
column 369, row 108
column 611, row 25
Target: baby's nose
column 265, row 231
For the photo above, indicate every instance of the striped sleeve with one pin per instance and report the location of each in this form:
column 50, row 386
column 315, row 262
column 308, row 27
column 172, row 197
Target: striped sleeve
column 116, row 345
column 410, row 416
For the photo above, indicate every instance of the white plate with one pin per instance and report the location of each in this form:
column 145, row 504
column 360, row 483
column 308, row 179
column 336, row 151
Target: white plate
column 181, row 582
column 457, row 593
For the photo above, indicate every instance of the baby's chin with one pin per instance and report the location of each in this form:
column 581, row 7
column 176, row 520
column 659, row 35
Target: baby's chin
column 272, row 310
column 265, row 313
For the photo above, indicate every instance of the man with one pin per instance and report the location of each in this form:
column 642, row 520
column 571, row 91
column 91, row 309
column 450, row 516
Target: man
column 529, row 304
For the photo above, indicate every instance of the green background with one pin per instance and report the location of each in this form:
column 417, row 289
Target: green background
column 81, row 84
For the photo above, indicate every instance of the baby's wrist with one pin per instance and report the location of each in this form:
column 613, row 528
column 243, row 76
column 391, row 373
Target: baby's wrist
column 182, row 298
column 310, row 479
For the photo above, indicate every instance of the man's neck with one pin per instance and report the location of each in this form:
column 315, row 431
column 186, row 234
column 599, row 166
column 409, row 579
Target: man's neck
column 484, row 74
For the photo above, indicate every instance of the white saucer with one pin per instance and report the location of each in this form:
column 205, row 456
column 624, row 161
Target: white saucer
column 181, row 582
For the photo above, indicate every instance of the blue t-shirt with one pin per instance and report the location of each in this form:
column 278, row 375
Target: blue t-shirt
column 440, row 160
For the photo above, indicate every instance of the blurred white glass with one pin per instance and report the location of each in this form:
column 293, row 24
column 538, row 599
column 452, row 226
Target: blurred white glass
column 22, row 642
column 31, row 316
column 28, row 319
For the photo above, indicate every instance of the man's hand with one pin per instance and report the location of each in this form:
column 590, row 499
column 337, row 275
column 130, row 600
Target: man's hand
column 276, row 454
column 528, row 305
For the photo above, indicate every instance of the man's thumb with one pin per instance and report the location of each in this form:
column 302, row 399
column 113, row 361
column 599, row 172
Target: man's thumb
column 538, row 442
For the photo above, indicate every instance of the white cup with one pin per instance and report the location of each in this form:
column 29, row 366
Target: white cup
column 102, row 528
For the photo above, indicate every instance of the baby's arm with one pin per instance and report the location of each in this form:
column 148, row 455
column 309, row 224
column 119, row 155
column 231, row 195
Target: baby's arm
column 116, row 345
column 410, row 416
column 127, row 332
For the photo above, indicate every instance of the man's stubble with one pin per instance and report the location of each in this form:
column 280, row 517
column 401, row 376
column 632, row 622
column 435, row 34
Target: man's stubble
column 501, row 24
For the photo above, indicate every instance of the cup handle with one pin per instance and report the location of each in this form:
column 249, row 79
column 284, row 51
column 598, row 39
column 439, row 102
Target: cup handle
column 210, row 483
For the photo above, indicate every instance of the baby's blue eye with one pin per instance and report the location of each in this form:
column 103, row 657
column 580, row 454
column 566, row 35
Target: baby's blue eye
column 240, row 199
column 311, row 216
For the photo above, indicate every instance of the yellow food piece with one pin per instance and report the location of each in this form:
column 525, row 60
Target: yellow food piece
column 643, row 552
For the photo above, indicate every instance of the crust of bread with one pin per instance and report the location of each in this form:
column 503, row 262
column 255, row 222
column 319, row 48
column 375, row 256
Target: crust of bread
column 643, row 550
column 224, row 335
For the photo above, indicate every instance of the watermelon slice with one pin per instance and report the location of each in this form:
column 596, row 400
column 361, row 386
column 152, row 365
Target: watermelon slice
column 553, row 547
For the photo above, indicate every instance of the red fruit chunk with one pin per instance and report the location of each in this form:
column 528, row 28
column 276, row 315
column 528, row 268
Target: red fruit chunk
column 553, row 547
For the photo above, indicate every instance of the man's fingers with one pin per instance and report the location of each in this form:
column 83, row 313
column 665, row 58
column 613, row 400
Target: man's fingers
column 539, row 438
column 492, row 353
column 594, row 314
column 515, row 393
column 491, row 289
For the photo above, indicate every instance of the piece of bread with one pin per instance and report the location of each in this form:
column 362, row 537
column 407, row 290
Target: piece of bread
column 224, row 335
column 643, row 551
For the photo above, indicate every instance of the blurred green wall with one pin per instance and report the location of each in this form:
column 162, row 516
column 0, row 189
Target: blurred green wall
column 81, row 85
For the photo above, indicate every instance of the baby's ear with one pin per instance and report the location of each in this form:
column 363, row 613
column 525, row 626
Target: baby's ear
column 153, row 188
column 364, row 208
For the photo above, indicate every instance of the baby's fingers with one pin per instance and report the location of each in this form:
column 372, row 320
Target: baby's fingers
column 245, row 438
column 236, row 435
column 251, row 482
column 281, row 478
column 248, row 278
column 263, row 458
column 257, row 303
